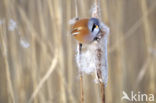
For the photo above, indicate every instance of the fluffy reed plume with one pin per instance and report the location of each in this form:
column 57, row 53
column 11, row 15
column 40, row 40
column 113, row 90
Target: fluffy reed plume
column 93, row 58
column 102, row 66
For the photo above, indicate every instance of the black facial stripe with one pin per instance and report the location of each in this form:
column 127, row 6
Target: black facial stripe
column 94, row 26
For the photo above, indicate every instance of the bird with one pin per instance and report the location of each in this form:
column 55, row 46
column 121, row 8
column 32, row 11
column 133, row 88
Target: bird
column 86, row 30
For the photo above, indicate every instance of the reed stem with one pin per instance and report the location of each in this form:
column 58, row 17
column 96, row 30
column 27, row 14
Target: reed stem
column 99, row 54
column 81, row 88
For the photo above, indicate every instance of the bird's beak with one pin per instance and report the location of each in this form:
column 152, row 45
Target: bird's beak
column 97, row 26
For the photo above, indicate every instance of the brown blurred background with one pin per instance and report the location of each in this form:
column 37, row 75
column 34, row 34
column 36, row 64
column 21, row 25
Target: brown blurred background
column 37, row 52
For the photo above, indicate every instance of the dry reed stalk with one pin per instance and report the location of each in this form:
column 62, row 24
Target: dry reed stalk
column 45, row 78
column 70, row 56
column 5, row 54
column 81, row 76
column 79, row 51
column 132, row 29
column 81, row 88
column 59, row 42
column 97, row 14
column 148, row 40
column 99, row 75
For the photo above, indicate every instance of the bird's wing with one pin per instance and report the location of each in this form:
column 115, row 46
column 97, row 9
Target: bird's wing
column 76, row 31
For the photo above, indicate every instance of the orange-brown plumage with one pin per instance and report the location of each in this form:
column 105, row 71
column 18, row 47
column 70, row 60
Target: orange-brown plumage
column 80, row 30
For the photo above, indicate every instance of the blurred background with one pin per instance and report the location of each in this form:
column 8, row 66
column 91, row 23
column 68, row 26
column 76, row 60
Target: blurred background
column 37, row 51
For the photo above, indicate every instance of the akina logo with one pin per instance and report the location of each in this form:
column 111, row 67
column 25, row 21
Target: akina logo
column 140, row 97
